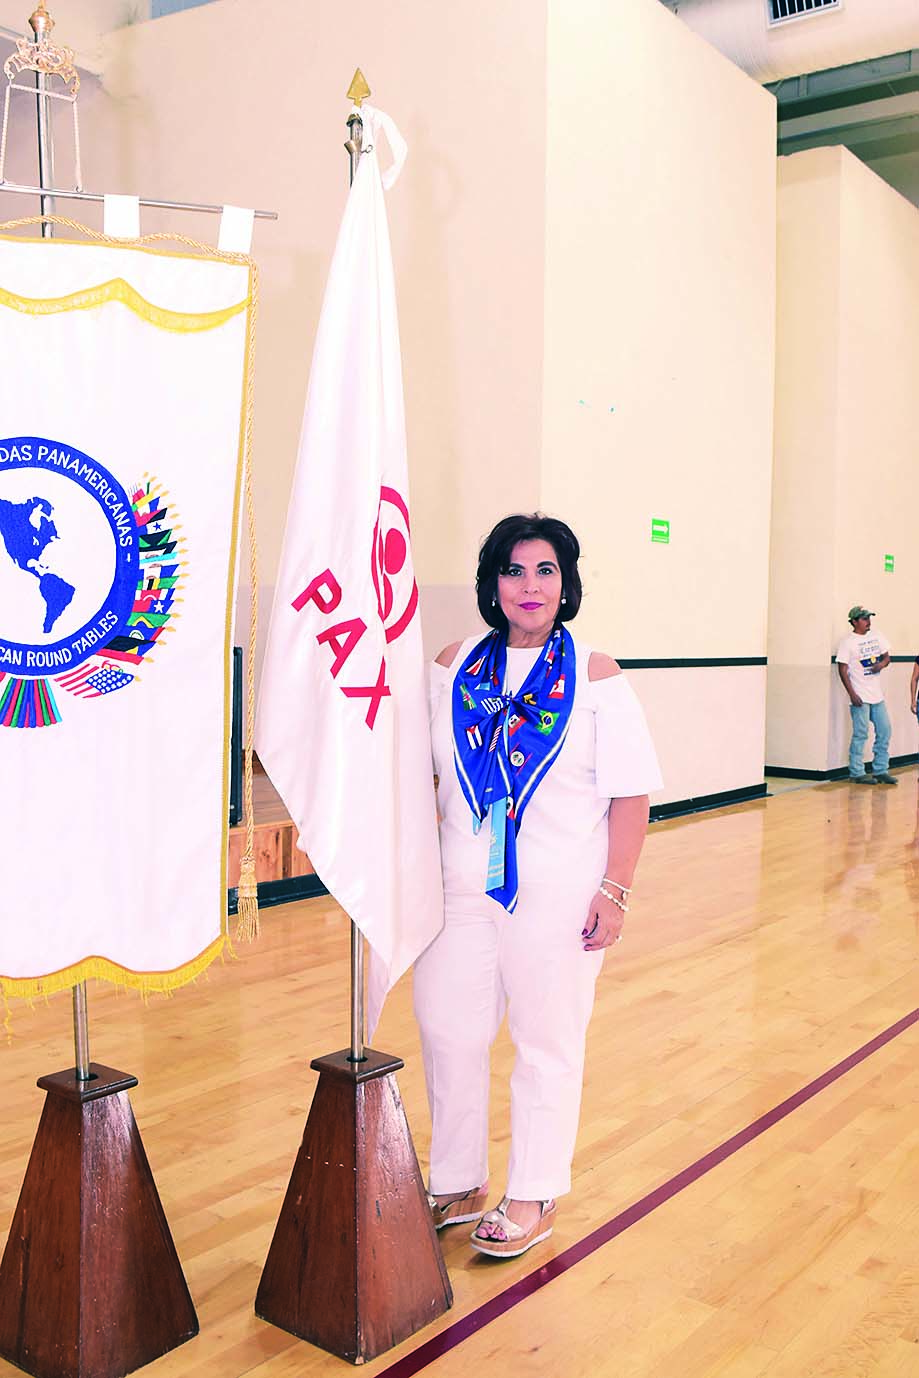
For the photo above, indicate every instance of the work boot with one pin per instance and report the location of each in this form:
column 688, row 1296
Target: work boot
column 885, row 778
column 865, row 779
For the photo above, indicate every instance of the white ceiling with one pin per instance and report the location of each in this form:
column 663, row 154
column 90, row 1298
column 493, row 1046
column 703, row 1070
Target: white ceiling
column 849, row 76
column 855, row 32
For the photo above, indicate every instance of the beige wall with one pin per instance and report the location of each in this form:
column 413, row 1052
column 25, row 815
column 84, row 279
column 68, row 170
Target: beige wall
column 659, row 333
column 584, row 247
column 198, row 108
column 802, row 564
column 806, row 413
column 879, row 421
column 877, row 475
column 658, row 373
column 847, row 482
column 708, row 726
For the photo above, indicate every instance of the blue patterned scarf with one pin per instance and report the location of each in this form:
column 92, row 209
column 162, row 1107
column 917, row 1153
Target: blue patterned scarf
column 503, row 744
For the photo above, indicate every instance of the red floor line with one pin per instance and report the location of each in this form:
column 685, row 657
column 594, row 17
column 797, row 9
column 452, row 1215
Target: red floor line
column 490, row 1310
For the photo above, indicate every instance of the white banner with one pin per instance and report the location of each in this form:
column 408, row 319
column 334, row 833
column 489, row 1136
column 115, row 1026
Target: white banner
column 122, row 409
column 343, row 723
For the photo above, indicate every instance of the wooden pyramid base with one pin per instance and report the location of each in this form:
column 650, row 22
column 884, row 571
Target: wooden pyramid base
column 90, row 1282
column 355, row 1265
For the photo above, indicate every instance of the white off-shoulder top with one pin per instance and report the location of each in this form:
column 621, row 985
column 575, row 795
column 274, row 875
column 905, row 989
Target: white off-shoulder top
column 608, row 754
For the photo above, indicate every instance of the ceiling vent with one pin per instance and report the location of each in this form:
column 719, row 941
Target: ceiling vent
column 781, row 11
column 774, row 39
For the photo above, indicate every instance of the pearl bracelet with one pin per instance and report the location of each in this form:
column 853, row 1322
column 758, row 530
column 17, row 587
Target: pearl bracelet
column 626, row 890
column 608, row 894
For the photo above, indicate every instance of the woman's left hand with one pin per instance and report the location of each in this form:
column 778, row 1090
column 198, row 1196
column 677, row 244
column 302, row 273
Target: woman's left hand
column 604, row 924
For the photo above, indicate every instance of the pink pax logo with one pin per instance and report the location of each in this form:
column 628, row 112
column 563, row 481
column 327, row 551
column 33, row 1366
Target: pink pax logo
column 396, row 597
column 396, row 590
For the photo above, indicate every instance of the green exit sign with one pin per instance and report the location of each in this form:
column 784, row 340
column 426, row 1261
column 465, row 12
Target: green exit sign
column 660, row 531
column 888, row 564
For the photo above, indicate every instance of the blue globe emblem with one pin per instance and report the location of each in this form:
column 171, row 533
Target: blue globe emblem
column 69, row 557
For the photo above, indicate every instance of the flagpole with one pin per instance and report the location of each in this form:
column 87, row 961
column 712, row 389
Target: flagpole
column 355, row 1264
column 41, row 25
column 357, row 92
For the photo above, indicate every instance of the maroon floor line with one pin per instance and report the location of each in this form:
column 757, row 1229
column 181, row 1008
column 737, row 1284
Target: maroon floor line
column 490, row 1310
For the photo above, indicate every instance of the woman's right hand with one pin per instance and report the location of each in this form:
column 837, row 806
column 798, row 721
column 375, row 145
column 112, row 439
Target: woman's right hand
column 604, row 924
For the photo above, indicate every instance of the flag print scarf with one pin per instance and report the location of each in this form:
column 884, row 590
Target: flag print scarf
column 503, row 743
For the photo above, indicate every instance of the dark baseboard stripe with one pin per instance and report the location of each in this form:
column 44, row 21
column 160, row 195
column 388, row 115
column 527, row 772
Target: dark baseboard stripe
column 793, row 773
column 837, row 773
column 703, row 664
column 271, row 892
column 703, row 802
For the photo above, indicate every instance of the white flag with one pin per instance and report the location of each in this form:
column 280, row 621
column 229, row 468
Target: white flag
column 343, row 725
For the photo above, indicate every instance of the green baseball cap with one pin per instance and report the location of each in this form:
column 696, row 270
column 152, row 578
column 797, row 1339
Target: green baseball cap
column 857, row 612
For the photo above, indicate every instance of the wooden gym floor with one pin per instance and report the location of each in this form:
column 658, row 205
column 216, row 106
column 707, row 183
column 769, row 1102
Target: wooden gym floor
column 767, row 944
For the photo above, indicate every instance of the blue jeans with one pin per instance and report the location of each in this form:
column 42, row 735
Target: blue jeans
column 878, row 714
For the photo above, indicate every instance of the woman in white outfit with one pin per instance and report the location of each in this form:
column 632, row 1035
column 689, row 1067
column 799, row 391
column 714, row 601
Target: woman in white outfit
column 545, row 766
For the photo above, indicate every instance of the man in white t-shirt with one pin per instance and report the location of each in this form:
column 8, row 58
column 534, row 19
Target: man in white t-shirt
column 861, row 657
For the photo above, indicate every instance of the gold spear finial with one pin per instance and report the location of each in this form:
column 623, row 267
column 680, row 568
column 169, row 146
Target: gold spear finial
column 358, row 91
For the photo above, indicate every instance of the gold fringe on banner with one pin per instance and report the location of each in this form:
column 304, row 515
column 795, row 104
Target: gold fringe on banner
column 102, row 969
column 181, row 322
column 146, row 983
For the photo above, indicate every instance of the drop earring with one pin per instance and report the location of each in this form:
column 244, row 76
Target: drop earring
column 564, row 599
column 494, row 602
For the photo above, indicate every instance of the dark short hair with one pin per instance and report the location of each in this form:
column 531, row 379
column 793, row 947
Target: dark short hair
column 495, row 555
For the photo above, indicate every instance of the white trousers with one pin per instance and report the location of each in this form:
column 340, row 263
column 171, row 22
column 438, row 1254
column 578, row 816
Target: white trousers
column 532, row 965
